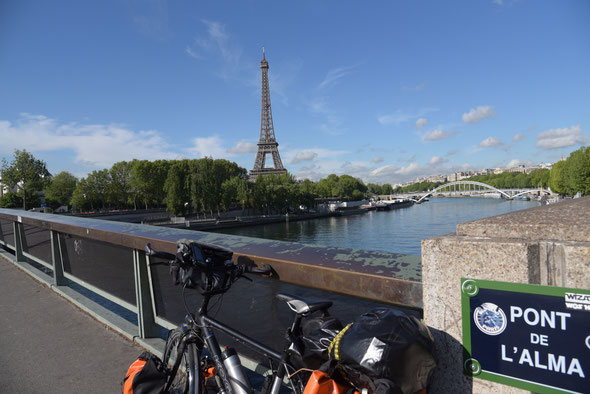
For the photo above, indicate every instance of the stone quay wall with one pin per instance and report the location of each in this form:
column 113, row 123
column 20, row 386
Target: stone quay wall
column 546, row 245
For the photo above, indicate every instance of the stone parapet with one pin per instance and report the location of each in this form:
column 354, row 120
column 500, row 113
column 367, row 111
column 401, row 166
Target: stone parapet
column 548, row 245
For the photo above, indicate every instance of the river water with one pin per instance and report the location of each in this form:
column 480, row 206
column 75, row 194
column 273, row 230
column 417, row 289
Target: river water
column 397, row 231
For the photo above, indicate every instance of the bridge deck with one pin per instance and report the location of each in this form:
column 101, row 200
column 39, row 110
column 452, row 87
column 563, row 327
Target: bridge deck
column 47, row 345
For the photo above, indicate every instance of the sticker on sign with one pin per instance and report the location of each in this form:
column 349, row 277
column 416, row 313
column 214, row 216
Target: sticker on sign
column 577, row 301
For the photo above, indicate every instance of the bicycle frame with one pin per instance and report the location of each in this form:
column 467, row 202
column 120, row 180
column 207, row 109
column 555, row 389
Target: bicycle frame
column 204, row 323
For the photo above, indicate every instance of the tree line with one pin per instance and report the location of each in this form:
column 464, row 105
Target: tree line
column 208, row 186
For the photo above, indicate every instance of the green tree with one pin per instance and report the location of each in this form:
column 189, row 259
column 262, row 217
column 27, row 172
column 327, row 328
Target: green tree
column 540, row 178
column 178, row 188
column 577, row 172
column 387, row 189
column 61, row 188
column 25, row 173
column 79, row 199
column 11, row 200
column 234, row 189
column 557, row 178
column 119, row 190
column 147, row 181
column 326, row 187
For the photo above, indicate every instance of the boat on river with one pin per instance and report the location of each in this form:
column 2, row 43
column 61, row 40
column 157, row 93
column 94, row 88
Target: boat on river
column 387, row 205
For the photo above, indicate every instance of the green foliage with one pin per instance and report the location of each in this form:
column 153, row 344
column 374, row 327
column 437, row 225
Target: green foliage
column 178, row 188
column 234, row 189
column 147, row 180
column 540, row 178
column 11, row 200
column 380, row 189
column 577, row 172
column 119, row 189
column 514, row 180
column 417, row 187
column 25, row 173
column 557, row 178
column 60, row 189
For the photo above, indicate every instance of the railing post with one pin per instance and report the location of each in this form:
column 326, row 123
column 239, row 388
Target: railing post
column 145, row 312
column 18, row 241
column 58, row 268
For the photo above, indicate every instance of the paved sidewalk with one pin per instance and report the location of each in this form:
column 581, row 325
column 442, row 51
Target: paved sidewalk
column 47, row 345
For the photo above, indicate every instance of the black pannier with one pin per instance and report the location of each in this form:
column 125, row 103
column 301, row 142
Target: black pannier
column 311, row 347
column 385, row 344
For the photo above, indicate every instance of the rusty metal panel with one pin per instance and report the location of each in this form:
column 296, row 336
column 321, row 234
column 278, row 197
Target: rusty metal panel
column 381, row 276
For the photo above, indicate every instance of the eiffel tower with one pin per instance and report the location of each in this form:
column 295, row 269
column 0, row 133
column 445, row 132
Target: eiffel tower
column 268, row 143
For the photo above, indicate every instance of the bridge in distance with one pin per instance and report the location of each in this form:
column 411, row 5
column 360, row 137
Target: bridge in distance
column 469, row 188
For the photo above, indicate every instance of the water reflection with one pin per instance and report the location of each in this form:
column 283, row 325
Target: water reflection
column 398, row 231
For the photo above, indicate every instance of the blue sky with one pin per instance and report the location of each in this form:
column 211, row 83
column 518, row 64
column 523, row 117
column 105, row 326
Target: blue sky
column 382, row 90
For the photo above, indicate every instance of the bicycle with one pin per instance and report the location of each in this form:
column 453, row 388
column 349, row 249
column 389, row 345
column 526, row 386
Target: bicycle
column 194, row 345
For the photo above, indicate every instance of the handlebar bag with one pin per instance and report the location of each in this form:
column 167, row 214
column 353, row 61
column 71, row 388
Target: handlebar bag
column 386, row 344
column 146, row 375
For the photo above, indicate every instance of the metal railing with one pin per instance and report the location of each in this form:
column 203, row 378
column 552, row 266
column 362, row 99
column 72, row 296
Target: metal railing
column 107, row 258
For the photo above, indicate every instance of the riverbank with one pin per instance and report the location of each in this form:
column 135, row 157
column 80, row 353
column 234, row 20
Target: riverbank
column 242, row 221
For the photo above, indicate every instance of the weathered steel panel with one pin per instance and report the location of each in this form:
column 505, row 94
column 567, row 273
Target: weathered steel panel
column 37, row 243
column 7, row 232
column 103, row 265
column 386, row 277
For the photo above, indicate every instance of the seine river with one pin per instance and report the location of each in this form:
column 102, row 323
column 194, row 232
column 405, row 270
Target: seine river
column 397, row 231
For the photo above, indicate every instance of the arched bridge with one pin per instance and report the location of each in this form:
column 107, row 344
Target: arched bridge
column 473, row 187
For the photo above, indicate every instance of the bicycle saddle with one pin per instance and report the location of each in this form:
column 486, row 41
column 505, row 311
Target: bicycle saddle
column 303, row 306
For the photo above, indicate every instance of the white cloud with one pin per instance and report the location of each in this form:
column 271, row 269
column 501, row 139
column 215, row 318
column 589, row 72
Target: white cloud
column 399, row 116
column 491, row 142
column 387, row 171
column 331, row 122
column 477, row 114
column 436, row 161
column 319, row 153
column 242, row 148
column 513, row 163
column 416, row 88
column 356, row 167
column 421, row 122
column 218, row 43
column 208, row 147
column 437, row 134
column 304, row 156
column 412, row 168
column 377, row 159
column 561, row 138
column 335, row 74
column 151, row 18
column 518, row 137
column 395, row 118
column 94, row 145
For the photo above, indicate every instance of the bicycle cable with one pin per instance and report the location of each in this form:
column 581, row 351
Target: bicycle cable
column 188, row 312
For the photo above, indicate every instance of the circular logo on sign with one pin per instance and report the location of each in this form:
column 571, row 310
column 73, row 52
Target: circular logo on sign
column 489, row 318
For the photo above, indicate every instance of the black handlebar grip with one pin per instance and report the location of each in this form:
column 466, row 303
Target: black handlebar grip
column 156, row 253
column 266, row 270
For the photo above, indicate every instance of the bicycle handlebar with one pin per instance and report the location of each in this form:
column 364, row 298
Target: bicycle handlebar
column 156, row 253
column 266, row 270
column 242, row 268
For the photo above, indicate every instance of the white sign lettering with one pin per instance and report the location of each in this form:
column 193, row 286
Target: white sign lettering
column 533, row 317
